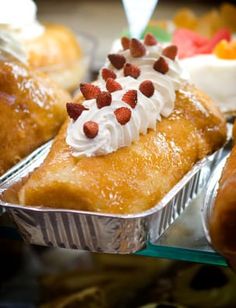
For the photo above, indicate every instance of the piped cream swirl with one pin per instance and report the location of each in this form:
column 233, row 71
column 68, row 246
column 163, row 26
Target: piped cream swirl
column 112, row 135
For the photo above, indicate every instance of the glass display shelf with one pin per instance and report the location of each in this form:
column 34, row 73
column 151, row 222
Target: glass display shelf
column 184, row 240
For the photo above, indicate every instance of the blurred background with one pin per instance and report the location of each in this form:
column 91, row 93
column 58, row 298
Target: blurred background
column 42, row 277
column 105, row 19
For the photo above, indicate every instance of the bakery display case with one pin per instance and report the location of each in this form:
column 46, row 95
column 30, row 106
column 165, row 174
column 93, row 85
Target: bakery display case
column 130, row 202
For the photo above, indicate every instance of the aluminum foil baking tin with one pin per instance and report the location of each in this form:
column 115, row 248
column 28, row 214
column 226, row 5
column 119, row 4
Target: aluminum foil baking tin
column 210, row 195
column 98, row 232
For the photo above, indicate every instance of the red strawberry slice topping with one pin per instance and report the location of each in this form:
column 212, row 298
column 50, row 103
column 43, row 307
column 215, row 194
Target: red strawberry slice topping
column 190, row 43
column 89, row 90
column 103, row 99
column 90, row 129
column 170, row 52
column 137, row 49
column 131, row 70
column 187, row 42
column 150, row 40
column 161, row 66
column 125, row 41
column 147, row 88
column 107, row 73
column 223, row 34
column 130, row 98
column 74, row 110
column 123, row 115
column 112, row 85
column 117, row 60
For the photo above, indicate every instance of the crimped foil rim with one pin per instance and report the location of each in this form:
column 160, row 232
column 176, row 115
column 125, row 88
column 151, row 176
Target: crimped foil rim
column 24, row 162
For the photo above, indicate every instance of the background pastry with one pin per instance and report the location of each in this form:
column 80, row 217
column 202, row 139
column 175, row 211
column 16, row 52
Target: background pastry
column 128, row 146
column 47, row 53
column 213, row 71
column 207, row 49
column 44, row 45
column 32, row 110
column 223, row 218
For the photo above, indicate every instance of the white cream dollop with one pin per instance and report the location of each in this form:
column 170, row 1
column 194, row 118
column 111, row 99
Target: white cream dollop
column 10, row 45
column 18, row 17
column 112, row 135
column 214, row 76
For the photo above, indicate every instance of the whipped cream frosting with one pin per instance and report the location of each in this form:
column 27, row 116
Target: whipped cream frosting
column 214, row 76
column 112, row 135
column 18, row 23
column 10, row 45
column 18, row 17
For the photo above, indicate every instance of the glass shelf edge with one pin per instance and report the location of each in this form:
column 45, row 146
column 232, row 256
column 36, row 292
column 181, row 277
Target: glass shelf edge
column 182, row 254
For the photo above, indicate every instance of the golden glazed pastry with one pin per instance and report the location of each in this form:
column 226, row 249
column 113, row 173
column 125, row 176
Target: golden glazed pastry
column 56, row 52
column 223, row 218
column 32, row 110
column 97, row 164
column 50, row 48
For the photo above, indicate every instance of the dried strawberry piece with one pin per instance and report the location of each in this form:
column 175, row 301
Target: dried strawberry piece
column 170, row 52
column 89, row 90
column 131, row 70
column 147, row 88
column 113, row 85
column 123, row 115
column 103, row 99
column 161, row 66
column 117, row 60
column 91, row 129
column 150, row 40
column 137, row 49
column 125, row 41
column 74, row 110
column 130, row 98
column 107, row 73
